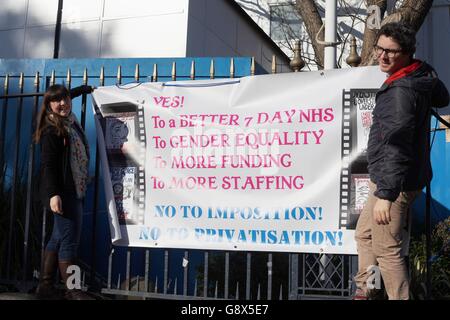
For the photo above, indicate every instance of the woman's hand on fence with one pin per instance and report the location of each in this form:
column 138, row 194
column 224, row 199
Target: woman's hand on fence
column 56, row 204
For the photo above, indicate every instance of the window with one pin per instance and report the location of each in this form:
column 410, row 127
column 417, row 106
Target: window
column 285, row 22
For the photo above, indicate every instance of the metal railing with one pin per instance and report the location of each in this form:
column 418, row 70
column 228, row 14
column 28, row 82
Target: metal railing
column 140, row 272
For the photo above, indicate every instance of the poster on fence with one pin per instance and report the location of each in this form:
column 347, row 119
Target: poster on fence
column 261, row 163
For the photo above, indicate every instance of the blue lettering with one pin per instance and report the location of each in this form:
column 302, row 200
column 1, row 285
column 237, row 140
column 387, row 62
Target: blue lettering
column 284, row 238
column 272, row 235
column 317, row 237
column 242, row 237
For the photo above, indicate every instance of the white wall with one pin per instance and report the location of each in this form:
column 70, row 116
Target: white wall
column 94, row 28
column 142, row 28
column 132, row 28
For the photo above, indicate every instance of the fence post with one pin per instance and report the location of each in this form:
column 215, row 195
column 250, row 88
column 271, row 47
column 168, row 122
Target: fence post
column 3, row 131
column 30, row 179
column 293, row 276
column 12, row 215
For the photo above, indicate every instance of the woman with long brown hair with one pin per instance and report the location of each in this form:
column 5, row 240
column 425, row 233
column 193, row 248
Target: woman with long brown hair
column 63, row 183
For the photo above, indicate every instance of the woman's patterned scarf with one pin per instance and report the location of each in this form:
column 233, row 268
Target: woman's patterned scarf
column 78, row 154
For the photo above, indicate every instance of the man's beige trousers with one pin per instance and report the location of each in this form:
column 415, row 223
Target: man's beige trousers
column 385, row 246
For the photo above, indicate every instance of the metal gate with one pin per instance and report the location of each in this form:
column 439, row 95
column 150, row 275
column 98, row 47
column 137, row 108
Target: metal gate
column 133, row 272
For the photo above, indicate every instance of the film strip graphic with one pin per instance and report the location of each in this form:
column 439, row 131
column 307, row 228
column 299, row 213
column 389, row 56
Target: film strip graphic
column 346, row 150
column 125, row 141
column 142, row 146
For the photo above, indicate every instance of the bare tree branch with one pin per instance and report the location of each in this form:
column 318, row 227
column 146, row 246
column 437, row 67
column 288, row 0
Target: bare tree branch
column 309, row 12
column 412, row 12
column 344, row 44
column 370, row 34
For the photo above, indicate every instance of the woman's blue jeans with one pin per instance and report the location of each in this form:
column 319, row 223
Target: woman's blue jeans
column 66, row 232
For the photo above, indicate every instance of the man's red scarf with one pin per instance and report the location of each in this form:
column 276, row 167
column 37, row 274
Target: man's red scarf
column 404, row 71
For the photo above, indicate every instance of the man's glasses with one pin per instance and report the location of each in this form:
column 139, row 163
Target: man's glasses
column 391, row 53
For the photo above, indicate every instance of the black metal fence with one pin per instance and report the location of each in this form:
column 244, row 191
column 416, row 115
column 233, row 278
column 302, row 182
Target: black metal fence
column 136, row 272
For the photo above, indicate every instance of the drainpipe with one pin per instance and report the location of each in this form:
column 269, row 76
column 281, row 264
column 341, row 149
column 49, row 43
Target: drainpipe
column 330, row 34
column 58, row 29
column 329, row 63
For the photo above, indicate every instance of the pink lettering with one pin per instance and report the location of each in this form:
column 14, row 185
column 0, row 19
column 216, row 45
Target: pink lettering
column 169, row 102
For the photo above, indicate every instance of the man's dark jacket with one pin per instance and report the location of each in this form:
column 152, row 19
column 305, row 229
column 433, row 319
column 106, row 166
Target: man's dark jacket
column 397, row 150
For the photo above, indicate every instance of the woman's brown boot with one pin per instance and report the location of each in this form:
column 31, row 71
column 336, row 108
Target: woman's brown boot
column 46, row 288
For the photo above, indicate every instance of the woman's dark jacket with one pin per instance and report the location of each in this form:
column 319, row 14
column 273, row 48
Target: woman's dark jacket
column 397, row 151
column 56, row 174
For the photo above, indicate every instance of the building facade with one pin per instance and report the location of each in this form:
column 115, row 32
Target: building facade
column 134, row 28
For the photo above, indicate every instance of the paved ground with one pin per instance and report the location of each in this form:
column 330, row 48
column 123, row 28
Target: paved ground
column 25, row 291
column 17, row 296
column 29, row 296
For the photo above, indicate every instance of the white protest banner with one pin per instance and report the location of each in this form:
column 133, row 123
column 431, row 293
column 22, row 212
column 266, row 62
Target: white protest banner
column 260, row 163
